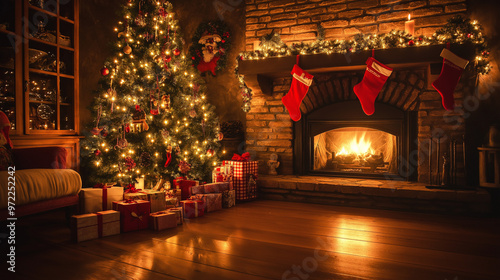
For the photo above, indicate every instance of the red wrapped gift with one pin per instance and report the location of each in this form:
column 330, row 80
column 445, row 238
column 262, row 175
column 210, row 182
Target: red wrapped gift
column 185, row 186
column 244, row 178
column 162, row 220
column 212, row 201
column 193, row 208
column 216, row 187
column 134, row 214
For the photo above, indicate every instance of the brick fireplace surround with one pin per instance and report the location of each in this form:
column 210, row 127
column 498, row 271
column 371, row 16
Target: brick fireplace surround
column 270, row 129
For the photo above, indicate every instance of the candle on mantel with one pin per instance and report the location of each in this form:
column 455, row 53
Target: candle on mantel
column 410, row 26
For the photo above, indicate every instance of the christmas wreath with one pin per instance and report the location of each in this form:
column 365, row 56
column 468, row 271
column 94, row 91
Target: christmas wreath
column 211, row 41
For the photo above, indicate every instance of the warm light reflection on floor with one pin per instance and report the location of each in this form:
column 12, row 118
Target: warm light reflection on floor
column 356, row 239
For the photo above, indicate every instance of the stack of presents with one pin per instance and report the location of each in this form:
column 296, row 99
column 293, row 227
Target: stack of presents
column 109, row 210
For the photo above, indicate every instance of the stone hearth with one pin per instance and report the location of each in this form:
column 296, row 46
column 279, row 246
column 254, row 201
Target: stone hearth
column 384, row 194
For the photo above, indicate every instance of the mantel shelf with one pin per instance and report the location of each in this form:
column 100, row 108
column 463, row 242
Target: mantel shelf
column 259, row 73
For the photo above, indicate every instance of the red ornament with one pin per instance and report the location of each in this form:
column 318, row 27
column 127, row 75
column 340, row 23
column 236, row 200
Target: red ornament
column 127, row 128
column 97, row 152
column 177, row 52
column 104, row 71
column 127, row 49
column 223, row 41
column 193, row 58
column 210, row 152
column 411, row 43
column 168, row 58
column 420, row 39
column 220, row 136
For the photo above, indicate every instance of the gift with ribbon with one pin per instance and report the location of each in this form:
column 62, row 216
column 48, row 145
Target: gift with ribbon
column 157, row 200
column 179, row 213
column 192, row 208
column 216, row 187
column 134, row 214
column 211, row 201
column 245, row 157
column 185, row 186
column 244, row 178
column 162, row 220
column 91, row 226
column 99, row 198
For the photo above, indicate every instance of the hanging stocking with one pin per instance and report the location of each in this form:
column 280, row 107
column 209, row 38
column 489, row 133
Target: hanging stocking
column 445, row 84
column 367, row 90
column 298, row 90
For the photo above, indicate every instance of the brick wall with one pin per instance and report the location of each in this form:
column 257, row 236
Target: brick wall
column 296, row 20
column 269, row 127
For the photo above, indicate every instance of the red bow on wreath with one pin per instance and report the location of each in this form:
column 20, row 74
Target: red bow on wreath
column 208, row 66
column 244, row 157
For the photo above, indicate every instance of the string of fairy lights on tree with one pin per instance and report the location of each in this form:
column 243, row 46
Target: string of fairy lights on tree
column 151, row 116
column 458, row 30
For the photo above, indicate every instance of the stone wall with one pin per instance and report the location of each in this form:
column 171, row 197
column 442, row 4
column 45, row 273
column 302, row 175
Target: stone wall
column 296, row 20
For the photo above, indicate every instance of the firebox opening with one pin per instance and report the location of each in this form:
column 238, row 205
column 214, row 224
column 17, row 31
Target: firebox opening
column 355, row 150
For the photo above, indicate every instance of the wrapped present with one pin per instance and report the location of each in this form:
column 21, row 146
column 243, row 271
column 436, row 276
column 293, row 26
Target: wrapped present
column 134, row 214
column 244, row 178
column 99, row 198
column 108, row 223
column 216, row 187
column 192, row 208
column 228, row 198
column 162, row 220
column 135, row 196
column 185, row 186
column 84, row 227
column 223, row 174
column 171, row 202
column 179, row 213
column 197, row 190
column 92, row 226
column 212, row 201
column 157, row 200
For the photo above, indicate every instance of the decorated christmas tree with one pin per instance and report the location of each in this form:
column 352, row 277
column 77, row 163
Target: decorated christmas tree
column 150, row 115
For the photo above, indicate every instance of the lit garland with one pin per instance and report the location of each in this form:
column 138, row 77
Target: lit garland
column 458, row 30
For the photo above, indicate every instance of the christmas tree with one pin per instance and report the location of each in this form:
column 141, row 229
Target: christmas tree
column 151, row 118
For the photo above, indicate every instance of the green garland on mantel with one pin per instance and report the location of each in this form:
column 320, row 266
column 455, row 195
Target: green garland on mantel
column 458, row 30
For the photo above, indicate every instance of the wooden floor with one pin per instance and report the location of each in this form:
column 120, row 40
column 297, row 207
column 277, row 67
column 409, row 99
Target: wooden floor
column 270, row 240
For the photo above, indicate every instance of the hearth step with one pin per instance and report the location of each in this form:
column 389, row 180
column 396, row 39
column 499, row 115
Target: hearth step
column 382, row 194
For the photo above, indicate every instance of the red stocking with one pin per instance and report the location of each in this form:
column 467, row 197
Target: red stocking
column 445, row 84
column 298, row 90
column 367, row 90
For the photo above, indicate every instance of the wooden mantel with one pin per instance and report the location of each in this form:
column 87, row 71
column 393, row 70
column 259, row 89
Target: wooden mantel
column 259, row 73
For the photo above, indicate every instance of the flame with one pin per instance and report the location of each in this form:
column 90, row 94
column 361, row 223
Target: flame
column 359, row 147
column 409, row 17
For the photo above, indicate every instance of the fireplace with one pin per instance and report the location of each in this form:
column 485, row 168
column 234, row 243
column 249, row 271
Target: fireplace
column 340, row 140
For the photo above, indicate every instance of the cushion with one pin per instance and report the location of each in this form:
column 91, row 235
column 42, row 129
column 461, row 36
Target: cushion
column 43, row 157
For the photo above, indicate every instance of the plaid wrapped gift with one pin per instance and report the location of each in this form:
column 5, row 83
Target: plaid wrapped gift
column 162, row 220
column 212, row 201
column 179, row 214
column 244, row 178
column 134, row 214
column 228, row 198
column 193, row 208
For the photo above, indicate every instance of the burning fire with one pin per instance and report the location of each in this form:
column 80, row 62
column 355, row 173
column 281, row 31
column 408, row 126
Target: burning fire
column 357, row 147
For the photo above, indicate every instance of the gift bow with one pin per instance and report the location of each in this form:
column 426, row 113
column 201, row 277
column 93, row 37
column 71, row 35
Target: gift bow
column 132, row 189
column 243, row 157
